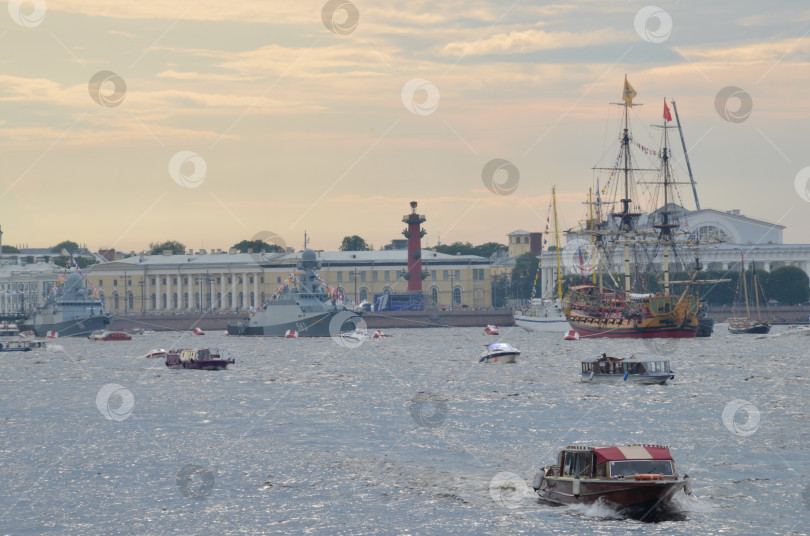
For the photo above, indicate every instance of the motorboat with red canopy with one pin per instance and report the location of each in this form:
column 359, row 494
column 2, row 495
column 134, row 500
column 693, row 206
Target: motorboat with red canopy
column 630, row 476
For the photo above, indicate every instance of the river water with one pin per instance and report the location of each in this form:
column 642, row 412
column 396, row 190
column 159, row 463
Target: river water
column 404, row 435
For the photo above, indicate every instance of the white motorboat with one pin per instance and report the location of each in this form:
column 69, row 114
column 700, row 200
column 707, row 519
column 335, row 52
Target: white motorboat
column 499, row 352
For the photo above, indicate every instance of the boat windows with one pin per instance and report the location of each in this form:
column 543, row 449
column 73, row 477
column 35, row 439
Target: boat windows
column 578, row 464
column 641, row 467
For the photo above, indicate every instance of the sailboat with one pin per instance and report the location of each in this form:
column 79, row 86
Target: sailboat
column 748, row 324
column 624, row 306
column 546, row 313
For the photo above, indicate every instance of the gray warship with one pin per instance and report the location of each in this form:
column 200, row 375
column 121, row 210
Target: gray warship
column 304, row 307
column 70, row 312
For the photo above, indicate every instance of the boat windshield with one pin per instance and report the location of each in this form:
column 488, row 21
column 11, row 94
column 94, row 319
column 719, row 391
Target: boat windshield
column 641, row 467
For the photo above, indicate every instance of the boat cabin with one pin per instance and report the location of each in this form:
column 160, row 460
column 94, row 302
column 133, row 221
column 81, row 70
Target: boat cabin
column 632, row 461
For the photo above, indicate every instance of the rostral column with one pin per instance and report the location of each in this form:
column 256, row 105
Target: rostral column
column 414, row 234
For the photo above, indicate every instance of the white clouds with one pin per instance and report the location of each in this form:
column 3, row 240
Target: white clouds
column 522, row 42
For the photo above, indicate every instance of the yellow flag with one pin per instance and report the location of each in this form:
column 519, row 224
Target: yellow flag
column 628, row 93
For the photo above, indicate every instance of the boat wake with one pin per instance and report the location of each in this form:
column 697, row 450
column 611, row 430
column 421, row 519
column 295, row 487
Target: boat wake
column 599, row 509
column 658, row 514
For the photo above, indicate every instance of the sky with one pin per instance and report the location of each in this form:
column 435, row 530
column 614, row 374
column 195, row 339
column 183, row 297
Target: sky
column 207, row 122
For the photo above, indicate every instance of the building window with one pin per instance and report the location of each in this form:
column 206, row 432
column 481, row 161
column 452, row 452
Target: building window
column 101, row 282
column 387, row 275
column 230, row 279
column 115, row 282
column 433, row 275
column 445, row 275
column 363, row 295
column 163, row 281
column 154, row 302
column 458, row 275
column 457, row 296
column 363, row 277
column 434, row 295
column 278, row 279
column 251, row 280
column 115, row 301
column 174, row 280
column 131, row 300
column 219, row 280
column 339, row 277
column 174, row 301
column 374, row 276
column 163, row 299
column 153, row 281
column 261, row 279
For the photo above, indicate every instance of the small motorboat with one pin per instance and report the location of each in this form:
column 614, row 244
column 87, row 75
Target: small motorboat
column 357, row 335
column 491, row 330
column 198, row 331
column 571, row 335
column 635, row 478
column 606, row 369
column 9, row 329
column 21, row 345
column 109, row 336
column 161, row 354
column 291, row 334
column 499, row 352
column 198, row 358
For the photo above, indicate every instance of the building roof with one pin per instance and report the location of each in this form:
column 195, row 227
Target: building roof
column 268, row 260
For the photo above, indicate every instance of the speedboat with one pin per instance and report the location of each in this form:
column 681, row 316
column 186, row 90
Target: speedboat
column 631, row 477
column 499, row 352
column 21, row 345
column 606, row 369
column 198, row 358
column 109, row 336
column 9, row 329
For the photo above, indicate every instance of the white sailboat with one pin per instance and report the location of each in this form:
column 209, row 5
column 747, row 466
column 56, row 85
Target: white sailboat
column 545, row 314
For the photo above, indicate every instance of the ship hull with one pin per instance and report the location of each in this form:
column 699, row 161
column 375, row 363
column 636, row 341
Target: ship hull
column 82, row 327
column 629, row 494
column 759, row 329
column 313, row 326
column 626, row 328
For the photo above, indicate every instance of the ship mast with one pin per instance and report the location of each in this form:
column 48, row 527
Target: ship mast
column 556, row 239
column 666, row 226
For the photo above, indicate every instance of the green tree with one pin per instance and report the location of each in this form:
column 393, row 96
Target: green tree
column 10, row 249
column 456, row 248
column 354, row 243
column 788, row 284
column 257, row 246
column 157, row 248
column 487, row 249
column 69, row 245
column 500, row 289
column 523, row 275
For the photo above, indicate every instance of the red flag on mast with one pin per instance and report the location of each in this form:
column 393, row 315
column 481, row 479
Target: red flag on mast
column 667, row 116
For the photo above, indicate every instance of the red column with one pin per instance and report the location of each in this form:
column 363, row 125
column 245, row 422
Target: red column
column 414, row 234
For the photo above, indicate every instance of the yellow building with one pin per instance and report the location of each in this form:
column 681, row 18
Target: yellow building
column 234, row 282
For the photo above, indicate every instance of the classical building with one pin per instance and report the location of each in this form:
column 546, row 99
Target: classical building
column 231, row 282
column 726, row 238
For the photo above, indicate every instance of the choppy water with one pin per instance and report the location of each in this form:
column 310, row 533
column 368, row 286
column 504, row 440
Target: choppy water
column 407, row 435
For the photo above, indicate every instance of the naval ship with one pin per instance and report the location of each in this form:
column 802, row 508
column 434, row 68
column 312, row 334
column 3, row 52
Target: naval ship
column 304, row 307
column 69, row 312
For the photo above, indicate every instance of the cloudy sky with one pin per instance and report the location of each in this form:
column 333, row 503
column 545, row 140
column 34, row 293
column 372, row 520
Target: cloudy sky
column 208, row 122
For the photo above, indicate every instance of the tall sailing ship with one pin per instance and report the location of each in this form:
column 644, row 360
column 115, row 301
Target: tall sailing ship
column 627, row 306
